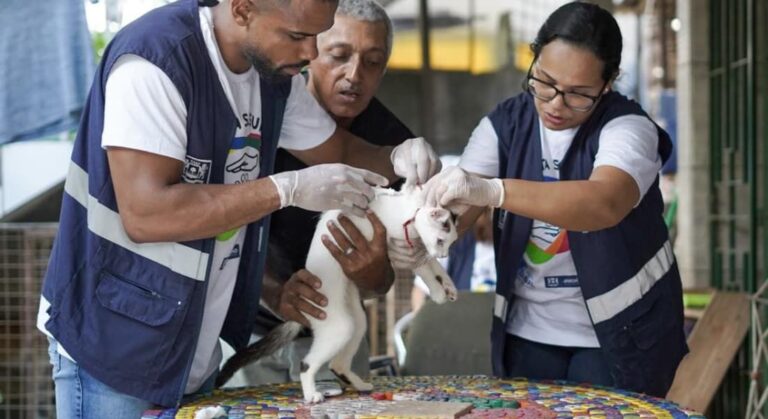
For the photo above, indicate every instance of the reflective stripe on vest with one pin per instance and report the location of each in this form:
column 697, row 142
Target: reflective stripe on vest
column 107, row 224
column 500, row 306
column 611, row 303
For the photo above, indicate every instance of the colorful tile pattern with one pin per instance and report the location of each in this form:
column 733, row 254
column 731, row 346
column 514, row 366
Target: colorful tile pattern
column 492, row 398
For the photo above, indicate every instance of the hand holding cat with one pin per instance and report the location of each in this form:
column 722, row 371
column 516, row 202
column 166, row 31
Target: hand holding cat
column 456, row 189
column 415, row 160
column 295, row 297
column 364, row 262
column 328, row 186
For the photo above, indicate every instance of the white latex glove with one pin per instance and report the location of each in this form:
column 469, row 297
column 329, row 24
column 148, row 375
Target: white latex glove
column 404, row 257
column 456, row 189
column 328, row 186
column 415, row 160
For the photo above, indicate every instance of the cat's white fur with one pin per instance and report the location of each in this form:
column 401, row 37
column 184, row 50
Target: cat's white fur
column 337, row 337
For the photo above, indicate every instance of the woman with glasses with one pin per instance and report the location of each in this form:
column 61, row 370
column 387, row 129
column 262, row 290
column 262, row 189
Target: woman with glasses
column 588, row 288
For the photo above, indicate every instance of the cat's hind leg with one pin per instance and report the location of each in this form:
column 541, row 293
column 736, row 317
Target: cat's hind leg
column 341, row 364
column 330, row 337
column 440, row 284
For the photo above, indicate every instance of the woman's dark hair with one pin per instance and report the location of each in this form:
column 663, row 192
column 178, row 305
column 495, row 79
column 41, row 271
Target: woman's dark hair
column 587, row 26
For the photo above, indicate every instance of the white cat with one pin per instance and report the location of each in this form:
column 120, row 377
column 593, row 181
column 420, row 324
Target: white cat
column 337, row 337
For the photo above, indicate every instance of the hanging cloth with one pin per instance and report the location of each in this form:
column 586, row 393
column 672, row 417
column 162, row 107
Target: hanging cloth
column 46, row 67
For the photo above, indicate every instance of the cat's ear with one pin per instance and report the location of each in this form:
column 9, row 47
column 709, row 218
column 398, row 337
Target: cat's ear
column 442, row 217
column 439, row 214
column 454, row 218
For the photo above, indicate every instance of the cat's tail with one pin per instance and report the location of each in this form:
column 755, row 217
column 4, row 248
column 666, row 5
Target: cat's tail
column 269, row 344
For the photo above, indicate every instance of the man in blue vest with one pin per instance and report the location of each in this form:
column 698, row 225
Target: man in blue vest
column 166, row 208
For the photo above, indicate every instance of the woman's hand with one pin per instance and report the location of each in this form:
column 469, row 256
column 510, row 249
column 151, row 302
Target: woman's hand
column 456, row 189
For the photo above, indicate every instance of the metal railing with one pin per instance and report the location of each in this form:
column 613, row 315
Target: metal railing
column 26, row 387
column 738, row 179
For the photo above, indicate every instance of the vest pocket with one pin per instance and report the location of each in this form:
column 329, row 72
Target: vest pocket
column 647, row 329
column 132, row 326
column 133, row 301
column 640, row 350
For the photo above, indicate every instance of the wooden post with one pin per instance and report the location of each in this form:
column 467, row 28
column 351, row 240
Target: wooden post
column 714, row 342
column 427, row 88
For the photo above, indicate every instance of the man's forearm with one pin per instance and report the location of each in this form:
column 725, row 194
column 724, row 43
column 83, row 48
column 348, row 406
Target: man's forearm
column 382, row 287
column 387, row 284
column 360, row 153
column 183, row 212
column 345, row 147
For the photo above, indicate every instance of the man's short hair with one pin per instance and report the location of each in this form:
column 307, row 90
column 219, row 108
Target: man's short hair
column 368, row 11
column 263, row 5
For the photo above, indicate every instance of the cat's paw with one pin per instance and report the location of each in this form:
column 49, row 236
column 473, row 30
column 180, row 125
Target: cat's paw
column 315, row 397
column 363, row 386
column 446, row 292
column 437, row 294
column 451, row 293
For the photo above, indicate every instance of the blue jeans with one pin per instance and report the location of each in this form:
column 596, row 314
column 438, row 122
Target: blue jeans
column 80, row 396
column 523, row 358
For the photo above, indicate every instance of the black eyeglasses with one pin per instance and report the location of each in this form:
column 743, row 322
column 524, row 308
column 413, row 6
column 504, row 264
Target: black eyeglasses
column 547, row 92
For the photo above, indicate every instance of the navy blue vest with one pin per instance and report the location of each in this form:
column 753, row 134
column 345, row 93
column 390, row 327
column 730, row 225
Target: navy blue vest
column 627, row 273
column 130, row 313
column 461, row 261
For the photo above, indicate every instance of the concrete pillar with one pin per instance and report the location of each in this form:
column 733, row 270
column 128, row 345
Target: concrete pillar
column 693, row 238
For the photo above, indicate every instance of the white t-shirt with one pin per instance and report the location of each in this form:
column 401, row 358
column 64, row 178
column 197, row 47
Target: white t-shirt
column 145, row 111
column 549, row 307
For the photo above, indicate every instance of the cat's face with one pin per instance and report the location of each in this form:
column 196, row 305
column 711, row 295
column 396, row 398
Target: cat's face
column 437, row 229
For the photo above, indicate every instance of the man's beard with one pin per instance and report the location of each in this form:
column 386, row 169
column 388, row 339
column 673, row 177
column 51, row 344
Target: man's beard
column 266, row 68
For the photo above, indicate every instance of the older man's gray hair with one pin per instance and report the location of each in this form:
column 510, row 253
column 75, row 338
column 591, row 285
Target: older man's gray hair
column 368, row 11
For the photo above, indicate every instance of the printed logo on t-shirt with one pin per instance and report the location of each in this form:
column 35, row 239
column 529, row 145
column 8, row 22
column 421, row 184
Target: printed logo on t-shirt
column 502, row 219
column 243, row 164
column 233, row 254
column 524, row 276
column 550, row 165
column 196, row 170
column 245, row 157
column 546, row 240
column 566, row 281
column 250, row 121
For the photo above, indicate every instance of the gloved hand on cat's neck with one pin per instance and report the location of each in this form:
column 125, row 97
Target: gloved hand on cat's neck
column 456, row 190
column 415, row 161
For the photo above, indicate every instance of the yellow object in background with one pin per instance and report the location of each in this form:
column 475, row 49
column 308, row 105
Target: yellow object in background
column 523, row 56
column 452, row 49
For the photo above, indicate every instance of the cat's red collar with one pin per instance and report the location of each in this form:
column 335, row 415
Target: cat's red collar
column 405, row 229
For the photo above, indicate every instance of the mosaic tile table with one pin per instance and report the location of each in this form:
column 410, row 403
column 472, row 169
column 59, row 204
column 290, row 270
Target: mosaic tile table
column 490, row 398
